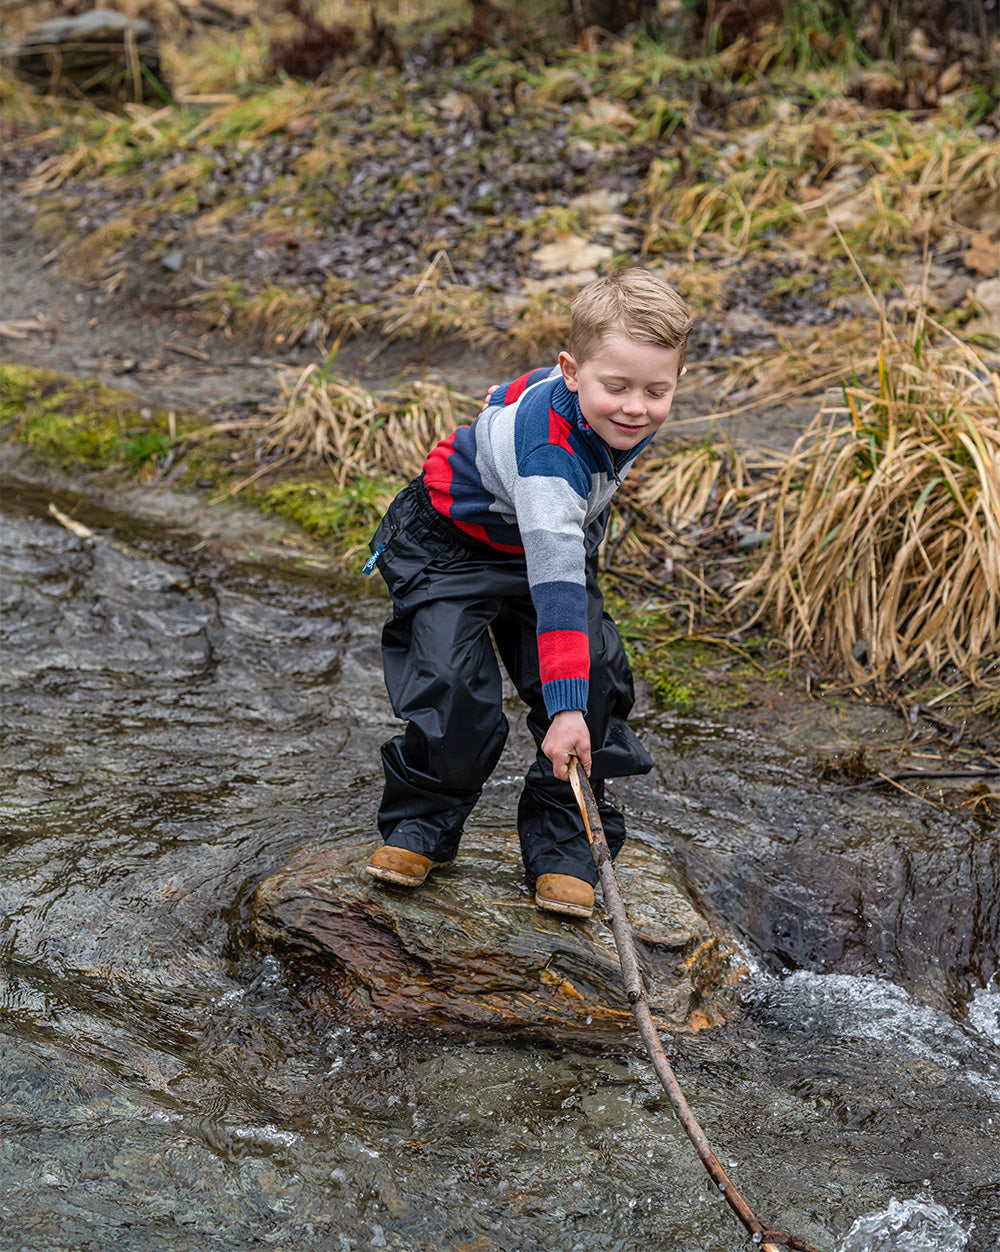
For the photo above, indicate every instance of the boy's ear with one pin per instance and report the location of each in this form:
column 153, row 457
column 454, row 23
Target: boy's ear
column 567, row 364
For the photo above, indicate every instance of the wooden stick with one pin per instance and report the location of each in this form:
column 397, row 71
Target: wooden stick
column 763, row 1236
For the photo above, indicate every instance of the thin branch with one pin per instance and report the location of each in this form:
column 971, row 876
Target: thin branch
column 763, row 1236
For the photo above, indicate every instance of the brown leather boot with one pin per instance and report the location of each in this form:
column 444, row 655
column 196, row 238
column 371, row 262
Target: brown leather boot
column 401, row 867
column 559, row 893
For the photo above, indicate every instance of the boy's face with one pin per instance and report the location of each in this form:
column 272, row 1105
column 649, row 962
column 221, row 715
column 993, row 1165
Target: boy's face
column 626, row 388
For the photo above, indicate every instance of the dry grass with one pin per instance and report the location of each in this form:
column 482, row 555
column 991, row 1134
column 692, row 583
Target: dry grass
column 439, row 306
column 884, row 179
column 538, row 325
column 358, row 433
column 690, row 486
column 806, row 361
column 283, row 317
column 683, row 524
column 883, row 564
column 885, row 557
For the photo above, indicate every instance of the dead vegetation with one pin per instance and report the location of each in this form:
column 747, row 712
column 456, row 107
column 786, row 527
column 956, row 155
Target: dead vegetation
column 872, row 552
column 885, row 552
column 316, row 201
column 357, row 434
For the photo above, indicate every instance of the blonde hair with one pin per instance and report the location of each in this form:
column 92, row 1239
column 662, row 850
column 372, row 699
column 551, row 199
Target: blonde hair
column 635, row 303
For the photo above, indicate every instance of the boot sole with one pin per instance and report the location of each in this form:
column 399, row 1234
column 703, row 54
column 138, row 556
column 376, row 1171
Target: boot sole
column 558, row 906
column 404, row 880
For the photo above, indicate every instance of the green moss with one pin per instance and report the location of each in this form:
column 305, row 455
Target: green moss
column 82, row 425
column 692, row 671
column 669, row 690
column 343, row 517
column 708, row 673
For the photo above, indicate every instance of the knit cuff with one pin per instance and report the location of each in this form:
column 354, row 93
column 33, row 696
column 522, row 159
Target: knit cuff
column 563, row 694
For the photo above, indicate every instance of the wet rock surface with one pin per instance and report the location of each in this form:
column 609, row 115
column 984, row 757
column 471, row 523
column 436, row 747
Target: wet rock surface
column 469, row 949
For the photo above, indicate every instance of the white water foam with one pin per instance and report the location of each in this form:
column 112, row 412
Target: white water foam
column 984, row 1012
column 860, row 1008
column 918, row 1225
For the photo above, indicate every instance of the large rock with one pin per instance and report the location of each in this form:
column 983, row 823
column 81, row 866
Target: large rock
column 101, row 52
column 469, row 948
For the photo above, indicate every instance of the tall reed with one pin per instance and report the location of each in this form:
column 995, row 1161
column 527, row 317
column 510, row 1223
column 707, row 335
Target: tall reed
column 885, row 551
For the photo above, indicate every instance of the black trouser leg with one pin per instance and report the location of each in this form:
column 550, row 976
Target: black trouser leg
column 442, row 677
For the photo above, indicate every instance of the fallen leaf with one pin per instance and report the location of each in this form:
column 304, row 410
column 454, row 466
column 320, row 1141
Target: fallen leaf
column 599, row 209
column 986, row 297
column 563, row 282
column 927, row 228
column 951, row 78
column 978, row 209
column 603, row 112
column 878, row 90
column 456, row 105
column 823, row 144
column 983, row 256
column 602, row 200
column 570, row 254
column 920, row 48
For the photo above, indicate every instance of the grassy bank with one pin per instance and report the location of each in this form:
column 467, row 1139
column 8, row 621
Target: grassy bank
column 464, row 189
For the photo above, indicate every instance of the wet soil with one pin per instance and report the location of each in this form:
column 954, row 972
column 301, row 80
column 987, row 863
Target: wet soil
column 167, row 358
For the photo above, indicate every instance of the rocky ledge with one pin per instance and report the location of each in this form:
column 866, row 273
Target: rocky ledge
column 470, row 950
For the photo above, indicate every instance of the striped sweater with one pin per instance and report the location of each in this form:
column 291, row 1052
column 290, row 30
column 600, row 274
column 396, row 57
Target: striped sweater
column 529, row 475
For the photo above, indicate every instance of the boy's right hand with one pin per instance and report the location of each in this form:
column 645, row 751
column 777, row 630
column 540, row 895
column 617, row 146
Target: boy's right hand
column 567, row 736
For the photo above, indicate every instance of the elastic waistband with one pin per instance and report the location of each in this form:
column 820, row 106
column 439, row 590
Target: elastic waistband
column 444, row 526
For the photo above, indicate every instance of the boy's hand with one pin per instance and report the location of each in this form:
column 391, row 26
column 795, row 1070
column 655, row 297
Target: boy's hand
column 567, row 736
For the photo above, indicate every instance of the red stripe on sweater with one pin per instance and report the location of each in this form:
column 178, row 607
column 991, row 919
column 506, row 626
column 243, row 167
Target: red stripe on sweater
column 438, row 475
column 563, row 654
column 559, row 429
column 477, row 532
column 517, row 388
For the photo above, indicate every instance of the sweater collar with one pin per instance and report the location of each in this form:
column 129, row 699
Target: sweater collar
column 567, row 404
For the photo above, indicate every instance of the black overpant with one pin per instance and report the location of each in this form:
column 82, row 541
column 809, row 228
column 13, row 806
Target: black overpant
column 453, row 598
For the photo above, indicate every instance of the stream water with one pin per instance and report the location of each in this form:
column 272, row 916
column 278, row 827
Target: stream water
column 175, row 727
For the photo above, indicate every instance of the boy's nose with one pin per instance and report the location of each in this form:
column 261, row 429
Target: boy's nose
column 634, row 404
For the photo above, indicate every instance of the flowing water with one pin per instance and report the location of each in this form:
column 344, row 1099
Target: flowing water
column 175, row 727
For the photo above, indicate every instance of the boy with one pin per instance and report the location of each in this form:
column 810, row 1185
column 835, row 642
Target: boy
column 496, row 543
